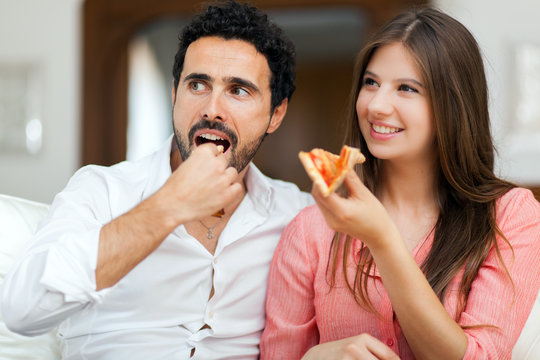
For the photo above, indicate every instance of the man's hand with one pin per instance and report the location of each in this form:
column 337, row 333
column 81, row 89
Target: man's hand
column 359, row 347
column 200, row 186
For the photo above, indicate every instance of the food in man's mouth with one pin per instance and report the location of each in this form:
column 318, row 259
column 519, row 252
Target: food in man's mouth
column 328, row 170
column 219, row 213
column 218, row 140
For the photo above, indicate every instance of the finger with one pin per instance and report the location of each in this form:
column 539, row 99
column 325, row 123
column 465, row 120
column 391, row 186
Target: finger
column 317, row 186
column 231, row 192
column 333, row 203
column 315, row 191
column 354, row 184
column 319, row 198
column 212, row 148
column 380, row 350
column 363, row 355
column 230, row 174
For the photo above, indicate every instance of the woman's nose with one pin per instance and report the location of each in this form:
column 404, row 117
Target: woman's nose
column 381, row 103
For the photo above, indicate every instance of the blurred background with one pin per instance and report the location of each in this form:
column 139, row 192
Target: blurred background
column 89, row 81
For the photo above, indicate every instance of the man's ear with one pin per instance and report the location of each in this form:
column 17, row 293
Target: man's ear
column 173, row 94
column 277, row 116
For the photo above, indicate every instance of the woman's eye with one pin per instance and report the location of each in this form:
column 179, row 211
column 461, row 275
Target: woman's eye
column 369, row 82
column 407, row 88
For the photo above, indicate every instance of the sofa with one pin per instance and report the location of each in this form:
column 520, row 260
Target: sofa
column 18, row 221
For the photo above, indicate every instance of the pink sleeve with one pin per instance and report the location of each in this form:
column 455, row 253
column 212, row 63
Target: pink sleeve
column 493, row 298
column 291, row 328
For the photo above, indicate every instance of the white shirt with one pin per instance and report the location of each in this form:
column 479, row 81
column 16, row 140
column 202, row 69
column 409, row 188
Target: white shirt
column 157, row 310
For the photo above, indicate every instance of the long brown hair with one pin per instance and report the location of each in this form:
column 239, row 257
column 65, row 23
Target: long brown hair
column 451, row 65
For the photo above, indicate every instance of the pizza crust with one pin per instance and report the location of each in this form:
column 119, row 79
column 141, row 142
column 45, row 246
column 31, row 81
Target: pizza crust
column 354, row 157
column 313, row 173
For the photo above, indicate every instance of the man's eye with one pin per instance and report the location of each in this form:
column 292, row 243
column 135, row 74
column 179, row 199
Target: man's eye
column 238, row 91
column 196, row 86
column 407, row 88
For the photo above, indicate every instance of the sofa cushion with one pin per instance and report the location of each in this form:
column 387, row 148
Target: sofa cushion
column 528, row 344
column 18, row 221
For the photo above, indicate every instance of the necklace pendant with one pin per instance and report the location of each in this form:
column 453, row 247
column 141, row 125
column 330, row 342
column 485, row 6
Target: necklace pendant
column 209, row 235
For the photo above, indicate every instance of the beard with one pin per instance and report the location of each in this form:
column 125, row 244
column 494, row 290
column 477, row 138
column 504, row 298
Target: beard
column 240, row 156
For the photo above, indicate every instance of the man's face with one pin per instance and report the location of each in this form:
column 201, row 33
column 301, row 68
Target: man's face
column 223, row 96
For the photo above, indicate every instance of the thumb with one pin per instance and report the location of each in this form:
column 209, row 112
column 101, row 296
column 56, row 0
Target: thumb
column 355, row 186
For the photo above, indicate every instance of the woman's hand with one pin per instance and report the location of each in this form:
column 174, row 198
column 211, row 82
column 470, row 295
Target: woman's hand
column 359, row 347
column 360, row 215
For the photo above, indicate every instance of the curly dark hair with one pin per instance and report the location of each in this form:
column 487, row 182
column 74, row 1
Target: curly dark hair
column 233, row 20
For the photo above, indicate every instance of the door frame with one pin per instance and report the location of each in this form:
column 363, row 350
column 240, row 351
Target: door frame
column 108, row 26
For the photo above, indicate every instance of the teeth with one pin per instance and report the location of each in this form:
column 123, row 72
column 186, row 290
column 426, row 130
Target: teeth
column 211, row 137
column 384, row 129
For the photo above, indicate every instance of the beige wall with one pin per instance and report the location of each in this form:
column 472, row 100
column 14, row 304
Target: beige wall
column 47, row 33
column 501, row 27
column 44, row 34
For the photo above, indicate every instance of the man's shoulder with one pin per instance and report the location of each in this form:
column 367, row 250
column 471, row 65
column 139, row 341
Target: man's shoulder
column 125, row 171
column 288, row 188
column 129, row 171
column 126, row 181
column 287, row 197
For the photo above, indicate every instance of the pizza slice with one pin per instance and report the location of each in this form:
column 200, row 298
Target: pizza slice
column 328, row 170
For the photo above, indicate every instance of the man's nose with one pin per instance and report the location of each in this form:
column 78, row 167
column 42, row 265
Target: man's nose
column 214, row 107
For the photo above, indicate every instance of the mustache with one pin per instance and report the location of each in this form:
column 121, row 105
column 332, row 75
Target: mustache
column 213, row 125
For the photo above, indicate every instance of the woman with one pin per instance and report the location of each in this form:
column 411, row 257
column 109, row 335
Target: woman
column 429, row 254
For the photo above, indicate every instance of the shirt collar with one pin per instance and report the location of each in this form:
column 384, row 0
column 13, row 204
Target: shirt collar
column 259, row 189
column 159, row 169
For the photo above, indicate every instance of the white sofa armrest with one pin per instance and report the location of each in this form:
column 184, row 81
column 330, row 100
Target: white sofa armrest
column 18, row 221
column 528, row 344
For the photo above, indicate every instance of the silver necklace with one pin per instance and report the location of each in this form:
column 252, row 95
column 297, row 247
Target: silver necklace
column 210, row 233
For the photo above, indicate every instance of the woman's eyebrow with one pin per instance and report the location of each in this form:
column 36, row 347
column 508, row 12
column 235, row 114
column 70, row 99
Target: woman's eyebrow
column 414, row 81
column 411, row 80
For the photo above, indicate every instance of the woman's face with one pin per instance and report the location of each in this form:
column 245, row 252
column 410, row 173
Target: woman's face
column 393, row 108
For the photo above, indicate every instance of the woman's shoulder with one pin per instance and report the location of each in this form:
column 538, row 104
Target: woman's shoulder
column 310, row 226
column 517, row 200
column 518, row 211
column 311, row 217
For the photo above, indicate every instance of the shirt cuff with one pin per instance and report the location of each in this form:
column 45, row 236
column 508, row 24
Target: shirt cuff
column 70, row 268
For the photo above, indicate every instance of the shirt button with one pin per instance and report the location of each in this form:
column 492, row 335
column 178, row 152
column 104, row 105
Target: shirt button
column 210, row 315
column 215, row 261
column 390, row 342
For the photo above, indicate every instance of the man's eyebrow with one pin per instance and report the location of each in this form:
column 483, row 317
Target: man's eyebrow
column 197, row 76
column 243, row 82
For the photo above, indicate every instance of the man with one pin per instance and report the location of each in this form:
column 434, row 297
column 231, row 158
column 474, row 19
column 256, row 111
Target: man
column 168, row 257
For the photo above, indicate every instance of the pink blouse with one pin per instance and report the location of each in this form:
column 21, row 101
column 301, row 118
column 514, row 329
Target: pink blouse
column 303, row 310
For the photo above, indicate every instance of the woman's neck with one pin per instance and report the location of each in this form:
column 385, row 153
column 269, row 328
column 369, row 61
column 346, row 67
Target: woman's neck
column 408, row 194
column 408, row 186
